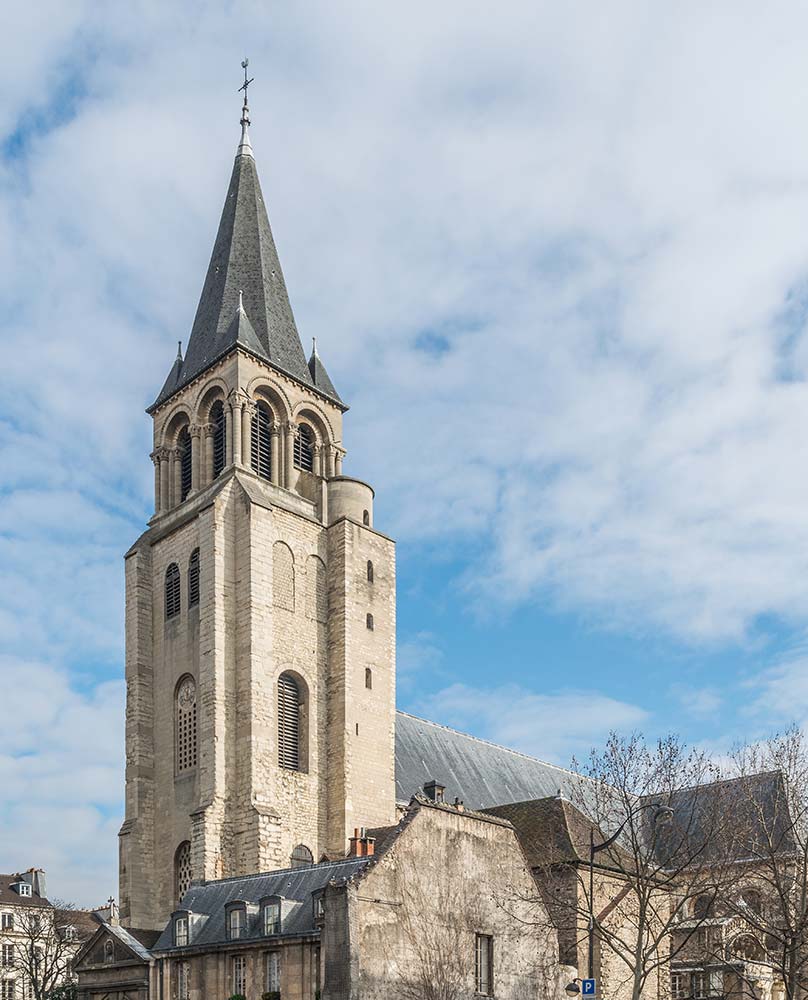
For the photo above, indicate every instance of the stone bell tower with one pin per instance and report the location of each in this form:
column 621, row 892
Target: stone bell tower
column 260, row 602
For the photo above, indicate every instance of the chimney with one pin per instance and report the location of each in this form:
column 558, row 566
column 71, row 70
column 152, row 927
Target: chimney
column 362, row 846
column 35, row 877
column 435, row 791
column 113, row 911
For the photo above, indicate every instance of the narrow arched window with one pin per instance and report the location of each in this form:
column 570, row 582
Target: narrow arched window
column 219, row 421
column 366, row 517
column 301, row 856
column 262, row 441
column 173, row 603
column 369, row 622
column 185, row 725
column 370, row 571
column 304, row 450
column 182, row 869
column 184, row 448
column 193, row 579
column 368, row 678
column 288, row 722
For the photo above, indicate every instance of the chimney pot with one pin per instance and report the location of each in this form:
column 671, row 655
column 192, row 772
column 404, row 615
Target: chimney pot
column 435, row 791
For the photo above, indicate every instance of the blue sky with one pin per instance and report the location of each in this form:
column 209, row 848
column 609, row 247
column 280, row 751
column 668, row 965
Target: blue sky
column 556, row 260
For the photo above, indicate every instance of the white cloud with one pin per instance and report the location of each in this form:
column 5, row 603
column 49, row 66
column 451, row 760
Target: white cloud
column 553, row 727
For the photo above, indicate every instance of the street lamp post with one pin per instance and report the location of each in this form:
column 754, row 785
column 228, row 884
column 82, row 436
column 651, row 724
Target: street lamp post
column 662, row 813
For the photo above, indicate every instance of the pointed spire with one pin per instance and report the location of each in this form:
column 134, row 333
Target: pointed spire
column 319, row 375
column 179, row 351
column 245, row 146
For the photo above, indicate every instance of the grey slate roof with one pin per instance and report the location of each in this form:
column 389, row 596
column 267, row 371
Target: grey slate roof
column 296, row 884
column 319, row 375
column 481, row 774
column 10, row 897
column 134, row 944
column 244, row 259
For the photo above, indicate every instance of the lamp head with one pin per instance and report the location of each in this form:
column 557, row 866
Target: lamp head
column 572, row 989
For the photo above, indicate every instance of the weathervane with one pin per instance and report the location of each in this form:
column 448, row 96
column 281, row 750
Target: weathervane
column 246, row 84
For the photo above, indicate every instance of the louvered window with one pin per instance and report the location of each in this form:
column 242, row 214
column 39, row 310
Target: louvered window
column 173, row 603
column 288, row 722
column 219, row 421
column 186, row 725
column 301, row 857
column 262, row 441
column 304, row 452
column 193, row 579
column 182, row 869
column 184, row 445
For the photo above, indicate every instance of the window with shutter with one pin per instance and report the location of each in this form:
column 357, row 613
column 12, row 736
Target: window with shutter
column 219, row 421
column 184, row 446
column 173, row 603
column 288, row 723
column 262, row 441
column 193, row 579
column 304, row 451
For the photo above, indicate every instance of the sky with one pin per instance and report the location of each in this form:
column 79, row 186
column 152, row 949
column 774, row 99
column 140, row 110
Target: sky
column 555, row 257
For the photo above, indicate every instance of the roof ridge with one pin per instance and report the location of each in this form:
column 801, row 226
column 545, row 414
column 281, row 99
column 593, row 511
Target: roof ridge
column 274, row 871
column 490, row 743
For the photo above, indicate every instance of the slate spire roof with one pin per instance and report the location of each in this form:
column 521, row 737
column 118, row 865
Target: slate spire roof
column 244, row 299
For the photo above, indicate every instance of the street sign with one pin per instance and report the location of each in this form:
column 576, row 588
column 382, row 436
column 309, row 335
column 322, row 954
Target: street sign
column 588, row 987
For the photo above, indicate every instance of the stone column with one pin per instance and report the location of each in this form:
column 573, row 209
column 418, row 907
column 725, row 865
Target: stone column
column 246, row 435
column 316, row 458
column 165, row 479
column 207, row 477
column 176, row 476
column 196, row 465
column 236, row 411
column 275, row 454
column 155, row 457
column 289, row 454
column 340, row 456
column 329, row 461
column 172, row 478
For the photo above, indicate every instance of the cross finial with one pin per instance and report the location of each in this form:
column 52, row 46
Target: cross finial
column 244, row 86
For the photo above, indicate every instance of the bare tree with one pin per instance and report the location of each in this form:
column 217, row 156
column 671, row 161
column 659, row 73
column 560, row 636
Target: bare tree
column 770, row 811
column 44, row 951
column 648, row 840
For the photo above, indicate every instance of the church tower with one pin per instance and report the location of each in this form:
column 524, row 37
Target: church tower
column 260, row 602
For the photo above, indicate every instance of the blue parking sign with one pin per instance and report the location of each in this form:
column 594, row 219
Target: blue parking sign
column 588, row 987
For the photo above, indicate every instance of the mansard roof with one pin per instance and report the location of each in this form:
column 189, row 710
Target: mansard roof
column 245, row 267
column 481, row 774
column 296, row 885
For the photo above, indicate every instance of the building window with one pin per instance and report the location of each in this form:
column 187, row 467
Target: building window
column 193, row 579
column 274, row 972
column 700, row 985
column 288, row 722
column 261, row 439
column 24, row 889
column 272, row 917
column 235, row 925
column 368, row 678
column 370, row 571
column 183, row 980
column 8, row 921
column 369, row 622
column 219, row 421
column 703, row 907
column 173, row 603
column 8, row 954
column 318, row 907
column 7, row 991
column 109, row 952
column 484, row 965
column 184, row 449
column 301, row 857
column 366, row 518
column 239, row 981
column 181, row 932
column 679, row 986
column 182, row 869
column 304, row 450
column 283, row 576
column 185, row 725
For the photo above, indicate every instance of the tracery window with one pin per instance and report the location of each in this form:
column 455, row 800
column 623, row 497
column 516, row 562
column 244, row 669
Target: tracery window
column 185, row 722
column 219, row 420
column 288, row 722
column 301, row 857
column 182, row 869
column 262, row 441
column 193, row 579
column 173, row 602
column 184, row 447
column 304, row 450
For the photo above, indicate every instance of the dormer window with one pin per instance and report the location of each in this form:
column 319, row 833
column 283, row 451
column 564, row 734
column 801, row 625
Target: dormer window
column 236, row 922
column 181, row 931
column 318, row 908
column 271, row 917
column 24, row 889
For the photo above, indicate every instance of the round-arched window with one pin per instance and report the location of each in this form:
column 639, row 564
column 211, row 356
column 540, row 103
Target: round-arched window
column 301, row 857
column 184, row 449
column 172, row 591
column 261, row 441
column 304, row 448
column 219, row 420
column 288, row 722
column 185, row 723
column 182, row 869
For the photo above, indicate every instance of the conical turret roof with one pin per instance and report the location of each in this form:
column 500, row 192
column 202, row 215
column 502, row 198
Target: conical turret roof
column 244, row 279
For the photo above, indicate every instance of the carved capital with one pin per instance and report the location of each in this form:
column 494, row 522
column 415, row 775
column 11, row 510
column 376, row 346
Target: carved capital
column 290, row 427
column 195, row 430
column 208, row 430
column 155, row 456
column 162, row 453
